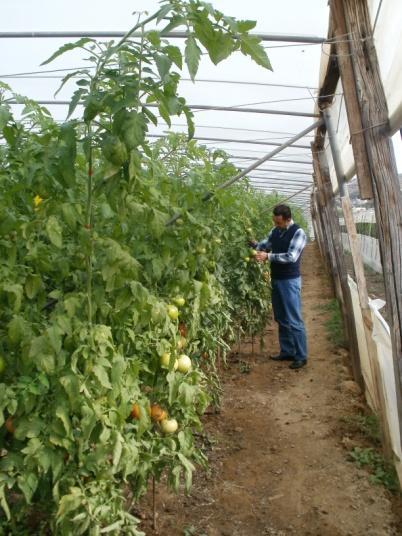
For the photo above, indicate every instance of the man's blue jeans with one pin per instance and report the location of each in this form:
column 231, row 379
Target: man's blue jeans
column 286, row 303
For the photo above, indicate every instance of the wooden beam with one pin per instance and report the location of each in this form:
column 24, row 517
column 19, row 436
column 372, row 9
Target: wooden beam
column 334, row 235
column 345, row 65
column 383, row 172
column 317, row 229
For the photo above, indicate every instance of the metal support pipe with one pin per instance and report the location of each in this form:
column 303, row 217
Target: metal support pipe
column 281, row 179
column 198, row 107
column 285, row 199
column 255, row 165
column 336, row 154
column 273, row 160
column 267, row 157
column 233, row 140
column 278, row 188
column 283, row 190
column 264, row 180
column 290, row 172
column 174, row 35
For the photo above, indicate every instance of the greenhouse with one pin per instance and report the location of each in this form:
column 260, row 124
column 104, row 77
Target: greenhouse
column 201, row 268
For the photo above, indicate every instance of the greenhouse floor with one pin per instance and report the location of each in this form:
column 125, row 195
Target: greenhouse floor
column 281, row 447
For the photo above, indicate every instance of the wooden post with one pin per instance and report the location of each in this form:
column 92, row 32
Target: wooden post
column 358, row 267
column 326, row 227
column 380, row 402
column 334, row 235
column 317, row 228
column 382, row 167
column 345, row 66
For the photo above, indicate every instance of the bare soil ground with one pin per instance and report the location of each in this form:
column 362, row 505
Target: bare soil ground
column 278, row 449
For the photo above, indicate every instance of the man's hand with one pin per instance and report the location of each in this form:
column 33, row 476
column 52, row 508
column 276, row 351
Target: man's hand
column 261, row 256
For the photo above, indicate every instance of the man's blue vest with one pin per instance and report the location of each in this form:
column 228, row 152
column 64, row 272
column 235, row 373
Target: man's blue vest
column 280, row 241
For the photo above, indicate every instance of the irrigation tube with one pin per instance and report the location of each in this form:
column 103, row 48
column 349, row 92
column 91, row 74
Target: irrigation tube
column 246, row 171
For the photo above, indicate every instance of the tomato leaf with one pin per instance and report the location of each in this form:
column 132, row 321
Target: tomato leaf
column 62, row 414
column 250, row 45
column 164, row 11
column 102, row 376
column 246, row 25
column 33, row 284
column 28, row 484
column 175, row 55
column 163, row 64
column 54, row 232
column 67, row 47
column 70, row 502
column 190, row 122
column 192, row 54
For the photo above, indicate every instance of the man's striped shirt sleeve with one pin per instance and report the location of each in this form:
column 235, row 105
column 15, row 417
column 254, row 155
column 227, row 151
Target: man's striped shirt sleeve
column 296, row 246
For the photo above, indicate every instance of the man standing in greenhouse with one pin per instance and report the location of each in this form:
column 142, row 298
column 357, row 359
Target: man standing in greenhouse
column 283, row 248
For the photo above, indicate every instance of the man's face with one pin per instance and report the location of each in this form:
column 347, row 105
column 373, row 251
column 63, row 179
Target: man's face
column 280, row 222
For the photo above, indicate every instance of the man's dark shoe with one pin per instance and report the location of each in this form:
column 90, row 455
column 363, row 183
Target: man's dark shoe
column 281, row 357
column 298, row 363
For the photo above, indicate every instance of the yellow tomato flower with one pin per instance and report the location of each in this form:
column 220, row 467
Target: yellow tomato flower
column 37, row 200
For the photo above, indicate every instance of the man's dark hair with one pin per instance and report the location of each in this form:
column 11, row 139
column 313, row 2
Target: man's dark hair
column 284, row 211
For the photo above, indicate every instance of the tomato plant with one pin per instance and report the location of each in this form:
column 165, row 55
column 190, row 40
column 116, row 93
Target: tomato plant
column 99, row 297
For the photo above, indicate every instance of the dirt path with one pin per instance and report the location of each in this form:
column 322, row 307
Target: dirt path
column 278, row 463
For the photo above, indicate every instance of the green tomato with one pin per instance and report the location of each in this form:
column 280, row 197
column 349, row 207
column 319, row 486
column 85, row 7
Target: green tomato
column 246, row 259
column 184, row 363
column 218, row 241
column 169, row 426
column 181, row 343
column 201, row 250
column 253, row 252
column 173, row 312
column 165, row 361
column 179, row 301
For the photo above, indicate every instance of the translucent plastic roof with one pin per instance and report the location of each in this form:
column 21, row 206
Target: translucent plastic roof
column 292, row 86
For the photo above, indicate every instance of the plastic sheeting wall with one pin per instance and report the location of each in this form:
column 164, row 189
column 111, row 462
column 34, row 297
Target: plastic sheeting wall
column 377, row 365
column 379, row 375
column 388, row 42
column 369, row 250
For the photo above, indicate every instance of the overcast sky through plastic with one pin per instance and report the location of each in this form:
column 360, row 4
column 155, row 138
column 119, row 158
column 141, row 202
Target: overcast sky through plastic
column 293, row 64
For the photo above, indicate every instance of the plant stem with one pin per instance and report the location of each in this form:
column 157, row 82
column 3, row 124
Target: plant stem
column 88, row 225
column 140, row 67
column 153, row 504
column 112, row 50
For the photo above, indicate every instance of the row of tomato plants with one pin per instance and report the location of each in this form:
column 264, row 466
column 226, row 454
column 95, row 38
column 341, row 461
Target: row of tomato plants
column 87, row 406
column 111, row 318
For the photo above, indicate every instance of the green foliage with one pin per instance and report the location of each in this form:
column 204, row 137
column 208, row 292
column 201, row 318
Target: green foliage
column 382, row 473
column 334, row 325
column 88, row 267
column 367, row 425
column 364, row 228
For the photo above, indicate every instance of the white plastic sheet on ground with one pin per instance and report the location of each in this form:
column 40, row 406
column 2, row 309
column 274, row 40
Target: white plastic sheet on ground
column 382, row 371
